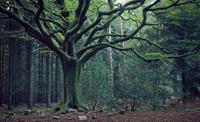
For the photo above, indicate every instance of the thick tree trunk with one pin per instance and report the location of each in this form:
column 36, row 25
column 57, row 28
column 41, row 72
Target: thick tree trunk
column 71, row 71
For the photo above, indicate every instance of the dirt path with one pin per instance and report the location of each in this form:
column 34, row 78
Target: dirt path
column 108, row 117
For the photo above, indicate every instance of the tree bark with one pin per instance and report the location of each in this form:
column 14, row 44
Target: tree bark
column 110, row 55
column 1, row 73
column 57, row 79
column 184, row 87
column 48, row 81
column 71, row 72
column 29, row 69
column 10, row 77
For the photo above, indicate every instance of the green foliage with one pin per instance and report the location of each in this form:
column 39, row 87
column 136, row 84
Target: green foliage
column 166, row 89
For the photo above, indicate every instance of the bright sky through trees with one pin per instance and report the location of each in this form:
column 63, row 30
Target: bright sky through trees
column 121, row 1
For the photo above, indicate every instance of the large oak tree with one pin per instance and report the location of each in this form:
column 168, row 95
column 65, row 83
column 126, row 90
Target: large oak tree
column 76, row 30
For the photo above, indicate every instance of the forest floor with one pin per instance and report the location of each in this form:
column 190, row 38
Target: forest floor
column 44, row 115
column 109, row 117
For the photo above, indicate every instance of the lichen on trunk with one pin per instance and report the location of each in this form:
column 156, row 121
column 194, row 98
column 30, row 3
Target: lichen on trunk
column 71, row 71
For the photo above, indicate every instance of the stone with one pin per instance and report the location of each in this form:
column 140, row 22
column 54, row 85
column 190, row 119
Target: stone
column 72, row 110
column 56, row 117
column 69, row 118
column 109, row 114
column 94, row 117
column 42, row 115
column 82, row 118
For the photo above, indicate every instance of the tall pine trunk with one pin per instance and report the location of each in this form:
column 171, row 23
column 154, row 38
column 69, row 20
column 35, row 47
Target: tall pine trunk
column 29, row 75
column 110, row 55
column 48, row 81
column 9, row 94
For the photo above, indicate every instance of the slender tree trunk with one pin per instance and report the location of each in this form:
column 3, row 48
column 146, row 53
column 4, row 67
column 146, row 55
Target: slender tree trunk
column 52, row 78
column 111, row 77
column 40, row 77
column 12, row 66
column 48, row 81
column 57, row 80
column 119, row 68
column 5, row 69
column 9, row 88
column 121, row 29
column 1, row 73
column 184, row 87
column 29, row 69
column 155, row 85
